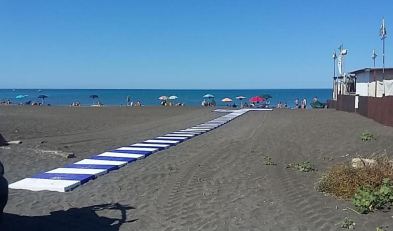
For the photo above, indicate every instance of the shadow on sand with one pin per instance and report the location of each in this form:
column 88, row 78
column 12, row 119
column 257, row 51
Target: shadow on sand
column 72, row 219
column 3, row 142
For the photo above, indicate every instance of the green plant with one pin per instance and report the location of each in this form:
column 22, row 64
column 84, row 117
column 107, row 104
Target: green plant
column 347, row 224
column 268, row 160
column 367, row 136
column 367, row 199
column 364, row 199
column 380, row 228
column 305, row 166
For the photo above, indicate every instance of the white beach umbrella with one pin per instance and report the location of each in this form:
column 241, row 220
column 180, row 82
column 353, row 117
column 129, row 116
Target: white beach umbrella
column 241, row 98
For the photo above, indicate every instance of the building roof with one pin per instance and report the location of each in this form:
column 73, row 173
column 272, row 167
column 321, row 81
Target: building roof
column 368, row 69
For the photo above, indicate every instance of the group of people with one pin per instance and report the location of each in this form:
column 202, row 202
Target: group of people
column 136, row 104
column 300, row 104
column 75, row 104
column 314, row 104
column 31, row 103
column 208, row 103
column 5, row 102
column 170, row 103
column 282, row 105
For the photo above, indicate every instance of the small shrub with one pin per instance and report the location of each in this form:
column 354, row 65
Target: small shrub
column 268, row 161
column 347, row 224
column 305, row 166
column 367, row 136
column 367, row 199
column 343, row 181
column 380, row 228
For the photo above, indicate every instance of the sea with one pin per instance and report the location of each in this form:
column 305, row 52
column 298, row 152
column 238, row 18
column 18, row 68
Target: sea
column 149, row 97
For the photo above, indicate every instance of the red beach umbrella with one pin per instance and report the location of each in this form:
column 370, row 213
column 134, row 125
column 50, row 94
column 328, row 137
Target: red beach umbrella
column 256, row 99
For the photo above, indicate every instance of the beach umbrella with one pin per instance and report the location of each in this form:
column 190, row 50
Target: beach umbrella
column 172, row 97
column 226, row 100
column 21, row 96
column 256, row 99
column 208, row 96
column 240, row 98
column 163, row 97
column 42, row 97
column 93, row 97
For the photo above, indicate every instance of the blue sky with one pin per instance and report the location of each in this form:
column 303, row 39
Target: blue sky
column 187, row 44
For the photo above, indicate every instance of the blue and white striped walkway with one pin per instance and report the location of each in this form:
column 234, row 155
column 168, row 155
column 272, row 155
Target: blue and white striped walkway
column 72, row 175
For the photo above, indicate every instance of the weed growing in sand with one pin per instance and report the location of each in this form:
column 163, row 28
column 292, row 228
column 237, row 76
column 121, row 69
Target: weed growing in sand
column 343, row 180
column 367, row 199
column 305, row 166
column 347, row 224
column 268, row 161
column 370, row 186
column 380, row 228
column 367, row 136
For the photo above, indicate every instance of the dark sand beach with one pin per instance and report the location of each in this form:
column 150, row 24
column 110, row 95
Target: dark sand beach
column 216, row 181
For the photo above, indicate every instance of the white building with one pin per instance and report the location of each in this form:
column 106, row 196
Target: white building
column 372, row 82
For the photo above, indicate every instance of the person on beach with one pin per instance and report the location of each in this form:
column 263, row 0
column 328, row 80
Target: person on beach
column 213, row 103
column 304, row 103
column 297, row 103
column 128, row 101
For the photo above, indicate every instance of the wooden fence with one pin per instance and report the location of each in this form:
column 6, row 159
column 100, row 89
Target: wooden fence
column 379, row 109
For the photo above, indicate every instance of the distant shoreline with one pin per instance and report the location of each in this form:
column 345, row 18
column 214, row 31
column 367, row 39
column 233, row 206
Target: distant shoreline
column 151, row 97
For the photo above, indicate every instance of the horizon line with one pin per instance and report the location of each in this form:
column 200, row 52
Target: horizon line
column 196, row 89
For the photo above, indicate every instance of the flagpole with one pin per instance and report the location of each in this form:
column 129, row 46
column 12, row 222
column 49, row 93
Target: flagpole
column 382, row 33
column 334, row 76
column 383, row 64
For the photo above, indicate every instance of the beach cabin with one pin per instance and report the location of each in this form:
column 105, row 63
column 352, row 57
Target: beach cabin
column 373, row 82
column 367, row 91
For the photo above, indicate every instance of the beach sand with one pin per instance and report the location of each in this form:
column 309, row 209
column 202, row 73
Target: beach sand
column 216, row 181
